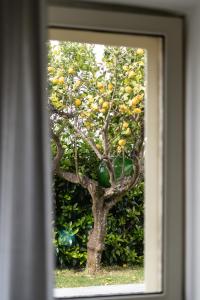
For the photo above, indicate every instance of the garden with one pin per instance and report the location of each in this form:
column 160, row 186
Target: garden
column 96, row 109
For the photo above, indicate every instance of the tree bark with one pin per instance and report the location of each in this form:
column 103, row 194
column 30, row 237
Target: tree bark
column 96, row 237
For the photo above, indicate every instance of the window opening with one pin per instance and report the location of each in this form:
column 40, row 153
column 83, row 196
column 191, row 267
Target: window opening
column 106, row 132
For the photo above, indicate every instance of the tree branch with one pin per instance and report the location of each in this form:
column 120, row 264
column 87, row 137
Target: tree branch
column 68, row 116
column 90, row 184
column 61, row 113
column 124, row 185
column 76, row 157
column 87, row 140
column 60, row 151
column 106, row 144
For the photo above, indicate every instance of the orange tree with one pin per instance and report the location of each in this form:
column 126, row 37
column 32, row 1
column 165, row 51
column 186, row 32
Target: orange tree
column 96, row 105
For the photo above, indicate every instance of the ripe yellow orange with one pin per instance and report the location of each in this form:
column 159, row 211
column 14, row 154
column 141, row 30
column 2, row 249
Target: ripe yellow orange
column 101, row 101
column 128, row 89
column 110, row 86
column 102, row 90
column 77, row 102
column 98, row 146
column 99, row 85
column 71, row 71
column 137, row 111
column 141, row 96
column 135, row 100
column 125, row 125
column 51, row 69
column 128, row 131
column 61, row 80
column 105, row 105
column 123, row 108
column 140, row 51
column 131, row 74
column 122, row 142
column 55, row 81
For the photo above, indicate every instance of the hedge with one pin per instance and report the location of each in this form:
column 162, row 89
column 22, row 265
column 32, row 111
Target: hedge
column 73, row 221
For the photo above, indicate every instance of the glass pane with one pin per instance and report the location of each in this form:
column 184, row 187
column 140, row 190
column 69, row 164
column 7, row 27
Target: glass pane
column 106, row 149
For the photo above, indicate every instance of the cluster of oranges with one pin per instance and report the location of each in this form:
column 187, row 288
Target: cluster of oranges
column 101, row 104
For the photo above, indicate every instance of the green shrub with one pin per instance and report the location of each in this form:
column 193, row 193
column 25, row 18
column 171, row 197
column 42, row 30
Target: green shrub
column 125, row 234
column 73, row 221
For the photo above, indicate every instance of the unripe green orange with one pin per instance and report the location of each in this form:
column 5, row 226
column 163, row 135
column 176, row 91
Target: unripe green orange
column 128, row 89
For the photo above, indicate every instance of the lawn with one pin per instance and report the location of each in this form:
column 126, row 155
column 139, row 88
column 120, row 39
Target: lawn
column 107, row 276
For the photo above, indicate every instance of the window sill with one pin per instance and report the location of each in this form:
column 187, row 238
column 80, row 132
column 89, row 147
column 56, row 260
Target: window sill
column 91, row 291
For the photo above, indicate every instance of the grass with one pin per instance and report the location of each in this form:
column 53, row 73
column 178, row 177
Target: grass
column 107, row 276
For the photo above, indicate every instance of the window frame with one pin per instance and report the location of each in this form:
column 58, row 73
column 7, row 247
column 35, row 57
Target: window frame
column 153, row 136
column 62, row 15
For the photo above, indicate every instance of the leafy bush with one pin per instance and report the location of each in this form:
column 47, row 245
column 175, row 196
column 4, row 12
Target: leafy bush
column 125, row 234
column 73, row 221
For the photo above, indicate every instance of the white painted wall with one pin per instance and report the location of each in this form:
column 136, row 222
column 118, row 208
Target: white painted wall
column 191, row 9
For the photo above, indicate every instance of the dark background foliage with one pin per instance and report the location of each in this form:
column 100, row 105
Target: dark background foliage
column 73, row 220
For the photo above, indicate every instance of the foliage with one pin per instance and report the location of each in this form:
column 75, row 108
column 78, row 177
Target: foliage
column 73, row 221
column 88, row 91
column 96, row 107
column 125, row 230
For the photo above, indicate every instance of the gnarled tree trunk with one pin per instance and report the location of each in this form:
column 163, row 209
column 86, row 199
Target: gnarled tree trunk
column 97, row 235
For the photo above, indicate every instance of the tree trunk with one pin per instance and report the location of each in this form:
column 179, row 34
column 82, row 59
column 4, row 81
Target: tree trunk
column 96, row 237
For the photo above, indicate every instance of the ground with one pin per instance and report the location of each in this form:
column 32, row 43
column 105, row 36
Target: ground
column 109, row 275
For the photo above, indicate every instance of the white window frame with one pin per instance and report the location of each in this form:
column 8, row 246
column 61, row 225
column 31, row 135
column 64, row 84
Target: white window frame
column 153, row 145
column 170, row 28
